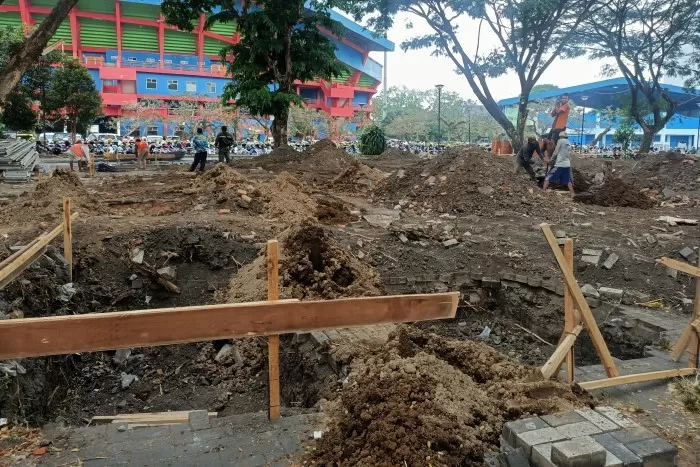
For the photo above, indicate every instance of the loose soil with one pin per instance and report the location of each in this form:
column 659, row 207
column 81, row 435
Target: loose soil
column 358, row 177
column 679, row 172
column 422, row 399
column 615, row 192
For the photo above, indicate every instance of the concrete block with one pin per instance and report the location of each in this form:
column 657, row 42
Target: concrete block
column 578, row 452
column 688, row 254
column 615, row 416
column 542, row 455
column 575, row 430
column 526, row 440
column 655, row 452
column 198, row 420
column 516, row 459
column 589, row 291
column 632, row 435
column 560, row 234
column 403, row 238
column 672, row 273
column 511, row 429
column 603, row 423
column 590, row 252
column 611, row 460
column 590, row 259
column 619, row 450
column 610, row 261
column 649, row 238
column 609, row 292
column 632, row 296
column 450, row 242
column 563, row 418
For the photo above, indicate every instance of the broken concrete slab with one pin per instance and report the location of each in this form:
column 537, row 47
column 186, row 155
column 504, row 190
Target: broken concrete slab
column 198, row 420
column 450, row 242
column 589, row 291
column 609, row 292
column 689, row 254
column 668, row 193
column 590, row 259
column 137, row 255
column 167, row 273
column 610, row 261
column 632, row 297
column 650, row 239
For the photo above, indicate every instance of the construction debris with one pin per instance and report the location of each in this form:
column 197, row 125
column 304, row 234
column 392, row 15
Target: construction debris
column 18, row 158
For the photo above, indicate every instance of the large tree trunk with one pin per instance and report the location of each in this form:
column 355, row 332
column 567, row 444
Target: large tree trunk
column 518, row 137
column 32, row 48
column 647, row 139
column 597, row 139
column 279, row 129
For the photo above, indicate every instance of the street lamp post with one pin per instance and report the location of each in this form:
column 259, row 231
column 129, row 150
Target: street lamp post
column 439, row 89
column 583, row 120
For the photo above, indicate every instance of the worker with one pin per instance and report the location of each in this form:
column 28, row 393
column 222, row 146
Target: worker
column 560, row 112
column 142, row 151
column 223, row 143
column 81, row 152
column 524, row 157
column 201, row 147
column 561, row 171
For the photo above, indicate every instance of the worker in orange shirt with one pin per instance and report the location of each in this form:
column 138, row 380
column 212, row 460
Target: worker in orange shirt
column 142, row 151
column 560, row 112
column 81, row 152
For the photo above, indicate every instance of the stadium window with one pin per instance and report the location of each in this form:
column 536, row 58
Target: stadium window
column 184, row 62
column 191, row 86
column 131, row 59
column 168, row 62
column 151, row 83
column 152, row 131
column 211, row 87
column 150, row 60
column 172, row 84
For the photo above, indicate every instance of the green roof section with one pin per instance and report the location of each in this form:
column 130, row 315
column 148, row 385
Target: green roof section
column 10, row 19
column 97, row 6
column 44, row 3
column 140, row 10
column 213, row 46
column 11, row 2
column 97, row 33
column 225, row 29
column 366, row 81
column 344, row 75
column 63, row 31
column 137, row 37
column 180, row 41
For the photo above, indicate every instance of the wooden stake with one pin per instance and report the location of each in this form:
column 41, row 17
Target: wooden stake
column 273, row 341
column 694, row 341
column 581, row 304
column 638, row 378
column 68, row 238
column 551, row 367
column 569, row 313
column 91, row 164
column 688, row 332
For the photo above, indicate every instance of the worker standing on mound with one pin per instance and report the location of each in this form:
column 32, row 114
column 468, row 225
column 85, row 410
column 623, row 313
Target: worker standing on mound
column 201, row 148
column 524, row 158
column 560, row 112
column 561, row 172
column 223, row 143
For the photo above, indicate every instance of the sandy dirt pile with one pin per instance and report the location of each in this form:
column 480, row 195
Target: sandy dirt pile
column 358, row 177
column 615, row 192
column 392, row 154
column 333, row 211
column 312, row 266
column 673, row 170
column 45, row 203
column 287, row 199
column 421, row 399
column 464, row 179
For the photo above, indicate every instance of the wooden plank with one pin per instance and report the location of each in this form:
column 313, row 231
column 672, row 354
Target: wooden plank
column 56, row 335
column 551, row 366
column 687, row 334
column 638, row 378
column 18, row 271
column 570, row 320
column 14, row 255
column 273, row 342
column 694, row 341
column 30, row 254
column 679, row 266
column 155, row 418
column 581, row 304
column 68, row 238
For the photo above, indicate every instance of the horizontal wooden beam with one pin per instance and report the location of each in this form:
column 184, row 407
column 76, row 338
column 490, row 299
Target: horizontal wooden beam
column 552, row 365
column 679, row 266
column 56, row 335
column 638, row 378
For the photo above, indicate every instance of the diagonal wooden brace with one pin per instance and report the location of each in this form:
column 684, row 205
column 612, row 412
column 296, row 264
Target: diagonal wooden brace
column 551, row 367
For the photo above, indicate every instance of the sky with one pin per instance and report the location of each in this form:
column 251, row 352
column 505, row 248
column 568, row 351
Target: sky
column 419, row 70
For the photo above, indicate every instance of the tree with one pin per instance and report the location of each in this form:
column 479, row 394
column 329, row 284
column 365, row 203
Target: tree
column 410, row 127
column 73, row 98
column 280, row 43
column 306, row 121
column 646, row 38
column 18, row 113
column 530, row 35
column 37, row 80
column 23, row 55
column 625, row 134
column 397, row 100
column 141, row 112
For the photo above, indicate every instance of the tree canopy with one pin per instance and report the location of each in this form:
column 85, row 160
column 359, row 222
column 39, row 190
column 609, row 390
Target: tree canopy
column 72, row 97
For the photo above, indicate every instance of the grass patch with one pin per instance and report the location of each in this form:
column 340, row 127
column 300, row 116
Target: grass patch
column 689, row 393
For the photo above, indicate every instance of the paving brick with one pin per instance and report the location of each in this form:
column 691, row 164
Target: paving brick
column 511, row 429
column 615, row 416
column 603, row 423
column 516, row 459
column 207, row 459
column 578, row 452
column 575, row 430
column 632, row 435
column 563, row 418
column 611, row 460
column 532, row 438
column 542, row 455
column 655, row 452
column 198, row 419
column 627, row 457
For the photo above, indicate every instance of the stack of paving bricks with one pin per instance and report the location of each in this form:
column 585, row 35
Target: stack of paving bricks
column 17, row 159
column 602, row 437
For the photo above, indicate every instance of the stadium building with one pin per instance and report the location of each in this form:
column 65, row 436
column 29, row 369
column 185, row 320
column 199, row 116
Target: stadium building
column 132, row 54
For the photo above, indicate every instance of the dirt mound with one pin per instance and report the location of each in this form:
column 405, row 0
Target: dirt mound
column 321, row 145
column 287, row 199
column 465, row 179
column 221, row 177
column 45, row 203
column 679, row 172
column 332, row 211
column 358, row 177
column 615, row 192
column 422, row 399
column 396, row 154
column 312, row 266
column 283, row 153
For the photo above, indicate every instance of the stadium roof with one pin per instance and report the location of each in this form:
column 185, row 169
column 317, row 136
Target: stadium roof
column 608, row 93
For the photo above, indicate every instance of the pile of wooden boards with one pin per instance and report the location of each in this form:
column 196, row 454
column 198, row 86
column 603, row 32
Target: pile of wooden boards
column 17, row 159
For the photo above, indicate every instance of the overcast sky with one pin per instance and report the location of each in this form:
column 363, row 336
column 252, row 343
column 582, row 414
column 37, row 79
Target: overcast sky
column 418, row 69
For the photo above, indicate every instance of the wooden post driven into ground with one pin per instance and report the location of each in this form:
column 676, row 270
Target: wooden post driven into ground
column 570, row 318
column 273, row 341
column 68, row 237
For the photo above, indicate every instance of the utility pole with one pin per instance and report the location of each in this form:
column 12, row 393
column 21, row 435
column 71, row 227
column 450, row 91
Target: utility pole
column 583, row 119
column 697, row 137
column 386, row 88
column 439, row 90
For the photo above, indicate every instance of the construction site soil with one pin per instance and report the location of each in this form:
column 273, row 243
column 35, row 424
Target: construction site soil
column 615, row 192
column 402, row 236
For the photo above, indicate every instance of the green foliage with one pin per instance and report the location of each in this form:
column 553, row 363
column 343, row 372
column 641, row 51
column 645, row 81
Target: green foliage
column 18, row 113
column 305, row 121
column 280, row 44
column 372, row 141
column 543, row 87
column 11, row 38
column 72, row 97
column 625, row 134
column 689, row 392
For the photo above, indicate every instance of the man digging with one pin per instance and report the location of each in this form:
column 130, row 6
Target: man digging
column 524, row 158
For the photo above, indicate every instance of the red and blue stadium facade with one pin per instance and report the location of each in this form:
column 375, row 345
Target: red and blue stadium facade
column 132, row 54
